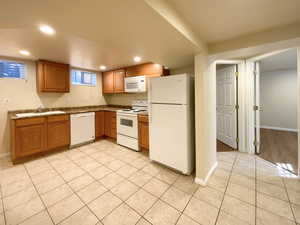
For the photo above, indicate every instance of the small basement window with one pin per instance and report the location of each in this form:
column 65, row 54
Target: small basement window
column 80, row 77
column 10, row 69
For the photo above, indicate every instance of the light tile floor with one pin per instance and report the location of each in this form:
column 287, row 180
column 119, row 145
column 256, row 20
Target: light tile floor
column 103, row 183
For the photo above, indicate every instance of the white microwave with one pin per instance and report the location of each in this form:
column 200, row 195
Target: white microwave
column 135, row 84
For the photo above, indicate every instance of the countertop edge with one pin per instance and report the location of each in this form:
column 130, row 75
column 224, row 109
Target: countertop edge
column 12, row 115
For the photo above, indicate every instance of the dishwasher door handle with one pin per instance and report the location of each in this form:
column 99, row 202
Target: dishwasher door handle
column 82, row 115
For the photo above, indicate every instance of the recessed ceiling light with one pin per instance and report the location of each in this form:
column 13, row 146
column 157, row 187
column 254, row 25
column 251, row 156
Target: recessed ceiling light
column 102, row 67
column 137, row 59
column 24, row 52
column 47, row 29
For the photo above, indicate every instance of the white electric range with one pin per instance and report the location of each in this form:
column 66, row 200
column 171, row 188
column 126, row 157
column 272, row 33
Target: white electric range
column 127, row 124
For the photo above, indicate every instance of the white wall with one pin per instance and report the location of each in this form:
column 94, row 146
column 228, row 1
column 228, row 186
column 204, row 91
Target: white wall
column 187, row 69
column 205, row 118
column 18, row 94
column 278, row 96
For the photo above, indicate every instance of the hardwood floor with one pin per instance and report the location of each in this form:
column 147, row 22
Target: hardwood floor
column 280, row 147
column 221, row 147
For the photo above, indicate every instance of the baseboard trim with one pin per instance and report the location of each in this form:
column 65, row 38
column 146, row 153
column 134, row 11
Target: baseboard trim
column 203, row 182
column 3, row 155
column 279, row 128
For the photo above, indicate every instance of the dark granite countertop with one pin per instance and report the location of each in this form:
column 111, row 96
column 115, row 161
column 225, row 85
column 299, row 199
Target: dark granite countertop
column 67, row 110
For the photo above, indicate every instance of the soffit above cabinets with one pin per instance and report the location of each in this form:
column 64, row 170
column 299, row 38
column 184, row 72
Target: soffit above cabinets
column 101, row 32
column 112, row 33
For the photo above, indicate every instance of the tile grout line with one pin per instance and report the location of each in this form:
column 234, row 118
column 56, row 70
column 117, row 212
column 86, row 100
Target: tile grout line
column 84, row 204
column 2, row 202
column 158, row 198
column 39, row 198
column 290, row 203
column 96, row 180
column 127, row 179
column 220, row 207
column 182, row 213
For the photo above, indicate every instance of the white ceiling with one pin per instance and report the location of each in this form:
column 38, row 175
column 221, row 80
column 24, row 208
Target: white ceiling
column 282, row 61
column 216, row 20
column 92, row 33
column 111, row 32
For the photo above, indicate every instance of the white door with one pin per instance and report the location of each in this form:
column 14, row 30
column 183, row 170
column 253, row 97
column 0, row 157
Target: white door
column 170, row 89
column 226, row 106
column 168, row 136
column 257, row 107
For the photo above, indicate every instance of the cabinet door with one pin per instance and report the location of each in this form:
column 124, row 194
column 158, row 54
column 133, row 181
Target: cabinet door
column 144, row 135
column 107, row 123
column 108, row 82
column 149, row 69
column 99, row 124
column 58, row 134
column 55, row 77
column 113, row 132
column 110, row 129
column 30, row 139
column 119, row 81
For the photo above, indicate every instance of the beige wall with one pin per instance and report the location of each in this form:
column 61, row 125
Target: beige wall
column 205, row 118
column 187, row 69
column 124, row 99
column 21, row 94
column 278, row 96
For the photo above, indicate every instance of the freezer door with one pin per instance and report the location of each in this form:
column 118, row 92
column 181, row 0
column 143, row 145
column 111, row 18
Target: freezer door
column 170, row 89
column 169, row 136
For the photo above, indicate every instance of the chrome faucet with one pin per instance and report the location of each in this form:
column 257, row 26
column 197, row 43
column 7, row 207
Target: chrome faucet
column 40, row 108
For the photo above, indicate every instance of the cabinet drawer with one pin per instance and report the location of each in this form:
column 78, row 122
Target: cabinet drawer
column 58, row 118
column 143, row 118
column 30, row 121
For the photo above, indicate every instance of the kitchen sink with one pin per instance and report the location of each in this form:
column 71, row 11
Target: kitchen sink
column 39, row 114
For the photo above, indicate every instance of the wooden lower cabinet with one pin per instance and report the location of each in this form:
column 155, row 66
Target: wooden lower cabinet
column 110, row 127
column 58, row 131
column 99, row 124
column 31, row 136
column 143, row 131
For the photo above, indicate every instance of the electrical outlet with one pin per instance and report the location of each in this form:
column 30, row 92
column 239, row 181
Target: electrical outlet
column 5, row 100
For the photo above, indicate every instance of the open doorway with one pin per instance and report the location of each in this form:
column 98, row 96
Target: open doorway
column 227, row 107
column 275, row 97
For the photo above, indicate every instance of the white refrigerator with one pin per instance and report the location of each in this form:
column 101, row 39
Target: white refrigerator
column 171, row 121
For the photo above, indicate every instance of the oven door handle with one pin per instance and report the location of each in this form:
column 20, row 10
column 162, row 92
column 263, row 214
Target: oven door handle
column 127, row 115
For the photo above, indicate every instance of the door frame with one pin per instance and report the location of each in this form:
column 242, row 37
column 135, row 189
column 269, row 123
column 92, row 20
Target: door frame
column 251, row 112
column 248, row 52
column 240, row 100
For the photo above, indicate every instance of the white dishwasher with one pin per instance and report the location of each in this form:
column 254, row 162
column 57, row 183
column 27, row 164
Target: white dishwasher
column 82, row 128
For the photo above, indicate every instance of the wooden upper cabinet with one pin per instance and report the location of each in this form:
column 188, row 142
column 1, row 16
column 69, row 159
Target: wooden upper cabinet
column 53, row 77
column 119, row 81
column 108, row 82
column 113, row 81
column 147, row 69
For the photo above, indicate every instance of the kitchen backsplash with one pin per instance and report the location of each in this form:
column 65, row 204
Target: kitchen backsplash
column 124, row 99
